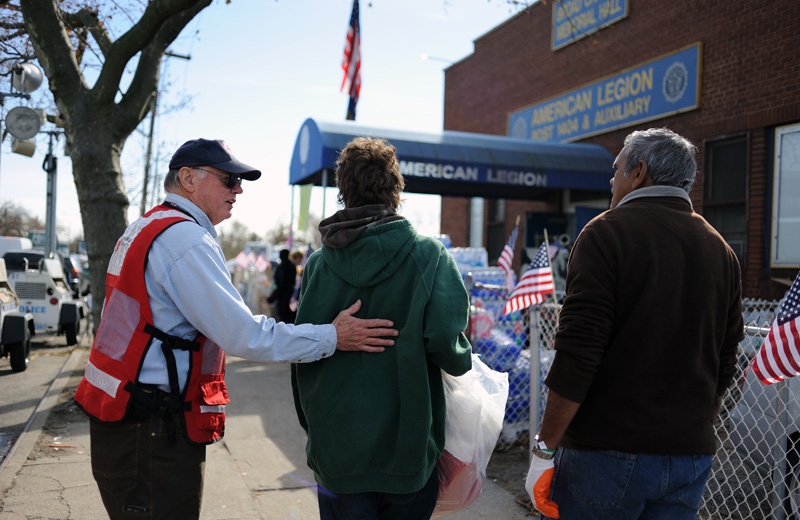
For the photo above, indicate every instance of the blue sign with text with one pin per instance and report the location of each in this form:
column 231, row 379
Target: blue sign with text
column 574, row 19
column 665, row 86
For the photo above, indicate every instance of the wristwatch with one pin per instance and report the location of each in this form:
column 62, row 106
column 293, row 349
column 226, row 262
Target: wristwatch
column 540, row 449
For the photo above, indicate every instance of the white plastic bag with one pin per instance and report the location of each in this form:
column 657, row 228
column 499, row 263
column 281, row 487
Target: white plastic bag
column 476, row 403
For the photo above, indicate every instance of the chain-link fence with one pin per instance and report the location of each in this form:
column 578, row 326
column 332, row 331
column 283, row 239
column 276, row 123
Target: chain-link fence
column 756, row 472
column 503, row 341
column 756, row 467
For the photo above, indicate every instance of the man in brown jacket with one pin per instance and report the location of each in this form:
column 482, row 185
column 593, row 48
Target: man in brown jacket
column 645, row 349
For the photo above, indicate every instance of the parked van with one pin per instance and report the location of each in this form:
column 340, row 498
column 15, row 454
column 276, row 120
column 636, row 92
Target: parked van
column 41, row 287
column 16, row 327
column 14, row 244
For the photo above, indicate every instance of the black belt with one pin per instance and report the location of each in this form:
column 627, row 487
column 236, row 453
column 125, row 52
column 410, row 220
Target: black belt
column 154, row 391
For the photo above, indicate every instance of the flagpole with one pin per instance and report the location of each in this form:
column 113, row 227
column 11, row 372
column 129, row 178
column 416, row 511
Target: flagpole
column 516, row 225
column 351, row 63
column 547, row 242
column 290, row 238
column 549, row 264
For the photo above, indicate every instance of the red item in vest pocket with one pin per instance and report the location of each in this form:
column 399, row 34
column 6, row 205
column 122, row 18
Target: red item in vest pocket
column 460, row 483
column 215, row 393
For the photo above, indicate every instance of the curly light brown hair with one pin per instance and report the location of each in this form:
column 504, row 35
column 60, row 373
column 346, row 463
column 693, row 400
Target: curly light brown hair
column 367, row 172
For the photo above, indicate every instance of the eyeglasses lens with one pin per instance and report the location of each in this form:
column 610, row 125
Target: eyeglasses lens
column 232, row 181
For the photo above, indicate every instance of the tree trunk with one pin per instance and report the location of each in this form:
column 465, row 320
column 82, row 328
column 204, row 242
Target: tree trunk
column 103, row 202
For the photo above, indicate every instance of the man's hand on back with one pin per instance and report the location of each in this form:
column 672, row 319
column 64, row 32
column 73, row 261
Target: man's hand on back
column 358, row 334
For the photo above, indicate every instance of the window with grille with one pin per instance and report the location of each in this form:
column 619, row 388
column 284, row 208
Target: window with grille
column 725, row 194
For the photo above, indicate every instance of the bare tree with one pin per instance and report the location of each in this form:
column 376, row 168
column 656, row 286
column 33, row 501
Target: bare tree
column 16, row 222
column 280, row 232
column 103, row 87
column 233, row 241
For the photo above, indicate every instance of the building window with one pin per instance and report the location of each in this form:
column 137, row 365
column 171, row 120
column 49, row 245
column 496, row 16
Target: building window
column 725, row 194
column 495, row 228
column 785, row 247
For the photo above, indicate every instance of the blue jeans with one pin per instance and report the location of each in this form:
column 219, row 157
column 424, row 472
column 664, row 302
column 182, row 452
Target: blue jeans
column 610, row 485
column 380, row 506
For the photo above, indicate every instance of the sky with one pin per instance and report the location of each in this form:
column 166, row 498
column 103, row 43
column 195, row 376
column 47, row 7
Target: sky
column 257, row 70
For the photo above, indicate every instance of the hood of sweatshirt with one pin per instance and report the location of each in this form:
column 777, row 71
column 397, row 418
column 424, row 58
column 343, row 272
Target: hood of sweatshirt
column 366, row 245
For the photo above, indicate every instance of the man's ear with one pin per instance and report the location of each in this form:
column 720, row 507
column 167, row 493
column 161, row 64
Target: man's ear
column 187, row 178
column 641, row 176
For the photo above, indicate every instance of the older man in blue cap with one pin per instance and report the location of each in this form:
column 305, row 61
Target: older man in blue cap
column 155, row 382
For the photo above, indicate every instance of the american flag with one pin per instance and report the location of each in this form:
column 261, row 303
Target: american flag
column 507, row 257
column 534, row 284
column 244, row 259
column 351, row 63
column 779, row 356
column 261, row 262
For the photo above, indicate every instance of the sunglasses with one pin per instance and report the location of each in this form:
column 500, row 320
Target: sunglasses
column 231, row 180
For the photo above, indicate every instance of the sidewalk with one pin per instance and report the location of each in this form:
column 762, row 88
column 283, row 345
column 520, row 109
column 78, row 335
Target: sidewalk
column 258, row 471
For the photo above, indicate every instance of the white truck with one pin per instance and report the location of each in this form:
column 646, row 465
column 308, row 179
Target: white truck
column 16, row 327
column 42, row 290
column 8, row 243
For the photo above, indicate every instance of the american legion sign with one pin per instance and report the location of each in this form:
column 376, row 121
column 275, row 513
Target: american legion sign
column 652, row 90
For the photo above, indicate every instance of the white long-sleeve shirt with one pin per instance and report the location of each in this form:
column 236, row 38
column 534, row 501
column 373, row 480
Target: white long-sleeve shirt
column 190, row 292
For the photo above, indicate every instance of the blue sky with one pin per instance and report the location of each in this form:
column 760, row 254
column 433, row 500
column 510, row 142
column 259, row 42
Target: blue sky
column 258, row 69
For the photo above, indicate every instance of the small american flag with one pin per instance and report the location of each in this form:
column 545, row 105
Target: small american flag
column 507, row 257
column 534, row 284
column 244, row 259
column 261, row 262
column 779, row 355
column 351, row 63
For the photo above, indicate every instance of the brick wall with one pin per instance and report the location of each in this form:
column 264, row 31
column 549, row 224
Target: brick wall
column 750, row 83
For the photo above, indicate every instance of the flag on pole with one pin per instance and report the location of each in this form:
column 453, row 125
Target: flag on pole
column 351, row 63
column 305, row 204
column 779, row 355
column 506, row 259
column 534, row 284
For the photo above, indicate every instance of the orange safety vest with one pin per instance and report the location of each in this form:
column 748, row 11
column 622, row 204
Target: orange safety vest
column 126, row 332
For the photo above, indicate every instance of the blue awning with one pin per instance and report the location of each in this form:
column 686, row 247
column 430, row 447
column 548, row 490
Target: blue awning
column 460, row 163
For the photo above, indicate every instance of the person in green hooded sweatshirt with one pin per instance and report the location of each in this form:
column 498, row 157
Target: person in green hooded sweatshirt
column 375, row 424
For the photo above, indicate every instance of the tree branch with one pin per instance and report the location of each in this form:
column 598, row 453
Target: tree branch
column 89, row 19
column 136, row 101
column 53, row 49
column 140, row 36
column 17, row 33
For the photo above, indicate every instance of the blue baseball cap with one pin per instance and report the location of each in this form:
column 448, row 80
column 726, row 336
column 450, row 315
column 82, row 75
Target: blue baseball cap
column 211, row 152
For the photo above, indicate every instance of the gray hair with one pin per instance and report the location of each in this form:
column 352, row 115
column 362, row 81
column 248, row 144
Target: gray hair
column 172, row 183
column 670, row 158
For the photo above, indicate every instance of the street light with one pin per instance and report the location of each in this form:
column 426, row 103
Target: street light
column 425, row 57
column 26, row 77
column 23, row 122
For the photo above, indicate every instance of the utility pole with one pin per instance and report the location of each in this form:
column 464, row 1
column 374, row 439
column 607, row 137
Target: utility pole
column 153, row 111
column 148, row 158
column 50, row 165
